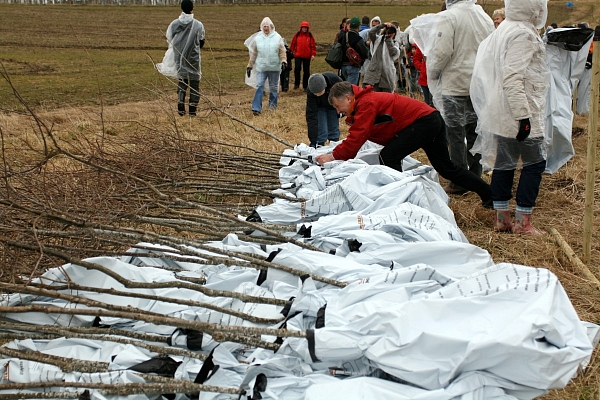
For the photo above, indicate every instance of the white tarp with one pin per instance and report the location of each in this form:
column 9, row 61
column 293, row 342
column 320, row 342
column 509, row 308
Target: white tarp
column 425, row 315
column 566, row 68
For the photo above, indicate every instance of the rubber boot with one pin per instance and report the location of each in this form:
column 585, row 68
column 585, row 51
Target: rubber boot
column 523, row 225
column 192, row 110
column 181, row 109
column 502, row 221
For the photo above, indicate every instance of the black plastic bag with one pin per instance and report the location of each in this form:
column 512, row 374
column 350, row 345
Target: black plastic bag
column 572, row 39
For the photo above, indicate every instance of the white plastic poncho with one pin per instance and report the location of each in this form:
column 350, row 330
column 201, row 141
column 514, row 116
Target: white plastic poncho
column 566, row 68
column 448, row 39
column 384, row 53
column 510, row 80
column 182, row 58
column 262, row 62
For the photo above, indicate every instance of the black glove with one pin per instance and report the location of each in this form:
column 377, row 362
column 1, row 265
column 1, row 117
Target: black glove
column 248, row 71
column 524, row 129
column 283, row 66
column 588, row 65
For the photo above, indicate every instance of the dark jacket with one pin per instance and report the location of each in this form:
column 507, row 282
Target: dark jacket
column 354, row 41
column 313, row 103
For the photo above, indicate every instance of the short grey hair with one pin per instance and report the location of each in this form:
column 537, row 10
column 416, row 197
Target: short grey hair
column 339, row 90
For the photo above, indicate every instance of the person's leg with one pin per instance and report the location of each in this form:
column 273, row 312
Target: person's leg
column 529, row 186
column 502, row 181
column 305, row 73
column 455, row 132
column 322, row 122
column 473, row 161
column 527, row 192
column 260, row 90
column 333, row 126
column 436, row 149
column 273, row 89
column 297, row 67
column 343, row 73
column 194, row 96
column 284, row 80
column 426, row 94
column 181, row 89
column 352, row 73
column 409, row 140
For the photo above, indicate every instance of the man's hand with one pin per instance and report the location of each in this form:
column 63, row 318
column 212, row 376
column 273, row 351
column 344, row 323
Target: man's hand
column 524, row 129
column 248, row 71
column 324, row 158
column 283, row 66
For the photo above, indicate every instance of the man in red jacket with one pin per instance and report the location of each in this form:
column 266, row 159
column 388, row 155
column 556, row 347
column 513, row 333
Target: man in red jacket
column 304, row 48
column 402, row 125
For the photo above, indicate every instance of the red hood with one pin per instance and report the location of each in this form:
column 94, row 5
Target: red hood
column 304, row 24
column 358, row 93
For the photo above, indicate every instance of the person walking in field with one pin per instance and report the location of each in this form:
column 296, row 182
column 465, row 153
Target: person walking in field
column 304, row 48
column 268, row 58
column 185, row 36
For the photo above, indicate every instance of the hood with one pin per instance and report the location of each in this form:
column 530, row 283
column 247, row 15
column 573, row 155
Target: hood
column 359, row 91
column 450, row 3
column 304, row 24
column 186, row 18
column 375, row 19
column 267, row 21
column 532, row 11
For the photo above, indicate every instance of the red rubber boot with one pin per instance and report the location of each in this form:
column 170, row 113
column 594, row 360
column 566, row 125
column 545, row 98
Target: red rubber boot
column 523, row 225
column 502, row 221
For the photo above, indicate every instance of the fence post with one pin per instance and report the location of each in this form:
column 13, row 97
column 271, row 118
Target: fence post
column 590, row 174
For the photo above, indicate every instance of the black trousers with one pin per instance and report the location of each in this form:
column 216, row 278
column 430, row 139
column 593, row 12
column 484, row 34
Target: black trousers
column 429, row 133
column 194, row 86
column 304, row 65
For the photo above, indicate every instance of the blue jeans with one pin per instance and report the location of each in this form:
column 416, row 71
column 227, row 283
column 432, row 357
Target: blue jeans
column 351, row 73
column 329, row 125
column 261, row 77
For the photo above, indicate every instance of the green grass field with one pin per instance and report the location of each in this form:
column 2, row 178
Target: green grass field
column 70, row 56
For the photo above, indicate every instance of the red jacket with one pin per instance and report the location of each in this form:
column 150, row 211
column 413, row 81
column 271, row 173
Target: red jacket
column 303, row 44
column 419, row 62
column 378, row 117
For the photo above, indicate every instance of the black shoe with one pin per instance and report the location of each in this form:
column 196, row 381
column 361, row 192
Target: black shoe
column 296, row 87
column 181, row 109
column 255, row 112
column 449, row 189
column 192, row 110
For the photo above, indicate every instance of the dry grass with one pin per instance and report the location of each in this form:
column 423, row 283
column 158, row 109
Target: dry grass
column 561, row 200
column 131, row 128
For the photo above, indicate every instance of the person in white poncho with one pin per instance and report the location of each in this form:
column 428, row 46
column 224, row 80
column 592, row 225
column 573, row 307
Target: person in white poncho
column 381, row 73
column 185, row 36
column 459, row 31
column 510, row 80
column 268, row 58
